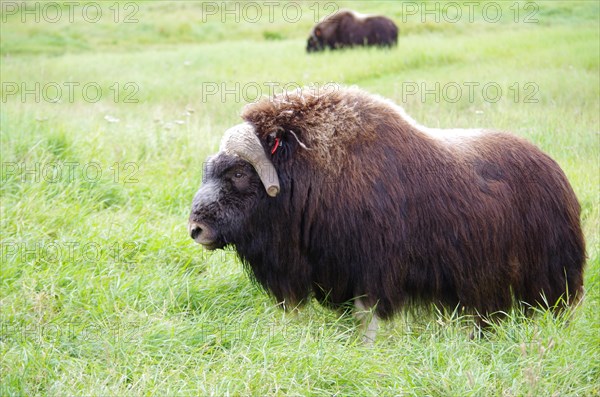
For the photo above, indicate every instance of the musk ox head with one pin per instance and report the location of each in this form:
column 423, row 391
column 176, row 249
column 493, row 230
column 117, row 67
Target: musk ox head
column 315, row 41
column 234, row 181
column 251, row 176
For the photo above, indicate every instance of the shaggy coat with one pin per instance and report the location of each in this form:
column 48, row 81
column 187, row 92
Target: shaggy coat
column 348, row 28
column 373, row 205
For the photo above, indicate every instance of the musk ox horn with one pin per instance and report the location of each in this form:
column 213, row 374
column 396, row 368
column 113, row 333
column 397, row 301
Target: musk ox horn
column 241, row 140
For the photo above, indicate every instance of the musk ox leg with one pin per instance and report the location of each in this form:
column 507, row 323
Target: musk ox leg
column 369, row 322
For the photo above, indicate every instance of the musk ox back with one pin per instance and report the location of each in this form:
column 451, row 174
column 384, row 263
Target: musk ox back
column 348, row 28
column 342, row 196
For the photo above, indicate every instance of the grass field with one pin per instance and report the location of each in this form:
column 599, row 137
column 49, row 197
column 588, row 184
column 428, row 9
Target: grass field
column 106, row 120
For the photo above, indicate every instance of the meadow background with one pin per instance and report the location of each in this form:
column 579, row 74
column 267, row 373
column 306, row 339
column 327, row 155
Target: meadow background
column 106, row 118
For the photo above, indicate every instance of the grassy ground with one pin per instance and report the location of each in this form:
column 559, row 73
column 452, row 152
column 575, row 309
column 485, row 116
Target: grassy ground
column 102, row 291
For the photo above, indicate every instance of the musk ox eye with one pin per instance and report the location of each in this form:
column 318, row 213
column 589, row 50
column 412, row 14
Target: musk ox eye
column 238, row 175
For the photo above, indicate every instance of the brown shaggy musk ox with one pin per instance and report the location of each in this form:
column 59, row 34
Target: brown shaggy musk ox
column 347, row 28
column 342, row 196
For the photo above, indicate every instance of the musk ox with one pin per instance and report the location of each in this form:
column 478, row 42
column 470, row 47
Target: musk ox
column 341, row 196
column 348, row 28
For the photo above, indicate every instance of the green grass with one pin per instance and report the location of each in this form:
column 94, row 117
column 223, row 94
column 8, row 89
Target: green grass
column 103, row 293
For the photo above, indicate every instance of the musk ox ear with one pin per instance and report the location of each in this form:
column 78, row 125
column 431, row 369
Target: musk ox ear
column 283, row 143
column 279, row 146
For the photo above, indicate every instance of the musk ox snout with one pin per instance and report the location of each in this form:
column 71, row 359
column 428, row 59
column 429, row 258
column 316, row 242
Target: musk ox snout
column 199, row 224
column 195, row 230
column 203, row 234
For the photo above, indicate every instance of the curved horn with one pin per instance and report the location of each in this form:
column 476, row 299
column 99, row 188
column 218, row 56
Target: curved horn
column 241, row 140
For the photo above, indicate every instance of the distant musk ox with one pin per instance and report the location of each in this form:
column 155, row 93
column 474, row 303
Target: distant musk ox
column 348, row 28
column 342, row 196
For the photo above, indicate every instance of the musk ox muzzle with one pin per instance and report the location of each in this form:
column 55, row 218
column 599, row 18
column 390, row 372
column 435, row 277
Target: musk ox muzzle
column 202, row 234
column 199, row 230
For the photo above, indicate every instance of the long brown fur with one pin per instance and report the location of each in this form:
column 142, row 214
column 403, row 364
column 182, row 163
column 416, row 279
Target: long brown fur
column 347, row 28
column 376, row 206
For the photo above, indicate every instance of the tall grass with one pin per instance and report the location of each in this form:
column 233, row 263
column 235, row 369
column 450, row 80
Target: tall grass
column 103, row 293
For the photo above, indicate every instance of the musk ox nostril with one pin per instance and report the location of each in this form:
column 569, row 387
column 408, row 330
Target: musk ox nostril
column 195, row 231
